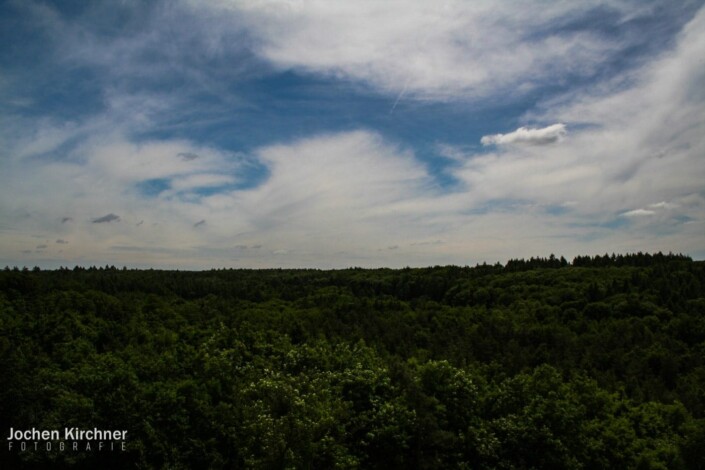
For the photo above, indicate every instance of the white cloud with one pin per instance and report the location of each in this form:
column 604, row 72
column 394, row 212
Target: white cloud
column 340, row 199
column 112, row 159
column 524, row 135
column 324, row 192
column 628, row 148
column 638, row 213
column 325, row 195
column 430, row 50
column 102, row 176
column 663, row 205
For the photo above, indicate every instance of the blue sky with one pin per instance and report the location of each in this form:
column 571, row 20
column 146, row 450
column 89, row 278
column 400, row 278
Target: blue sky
column 224, row 133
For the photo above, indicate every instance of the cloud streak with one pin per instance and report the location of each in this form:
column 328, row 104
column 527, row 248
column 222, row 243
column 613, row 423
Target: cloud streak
column 638, row 213
column 375, row 192
column 437, row 51
column 107, row 219
column 526, row 136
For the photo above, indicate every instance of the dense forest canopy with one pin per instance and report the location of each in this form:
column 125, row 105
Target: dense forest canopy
column 542, row 363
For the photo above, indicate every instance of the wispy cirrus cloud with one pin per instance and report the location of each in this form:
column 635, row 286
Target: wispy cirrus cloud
column 156, row 146
column 442, row 50
column 621, row 157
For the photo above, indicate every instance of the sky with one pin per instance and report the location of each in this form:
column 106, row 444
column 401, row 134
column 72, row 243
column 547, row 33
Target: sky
column 184, row 134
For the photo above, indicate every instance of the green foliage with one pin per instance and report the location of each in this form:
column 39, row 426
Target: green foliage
column 537, row 364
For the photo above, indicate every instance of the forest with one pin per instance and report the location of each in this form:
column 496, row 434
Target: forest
column 593, row 363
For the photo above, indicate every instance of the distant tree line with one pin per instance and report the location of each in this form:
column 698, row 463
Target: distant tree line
column 543, row 363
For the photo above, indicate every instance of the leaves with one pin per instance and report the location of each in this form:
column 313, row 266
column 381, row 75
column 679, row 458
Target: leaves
column 538, row 364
